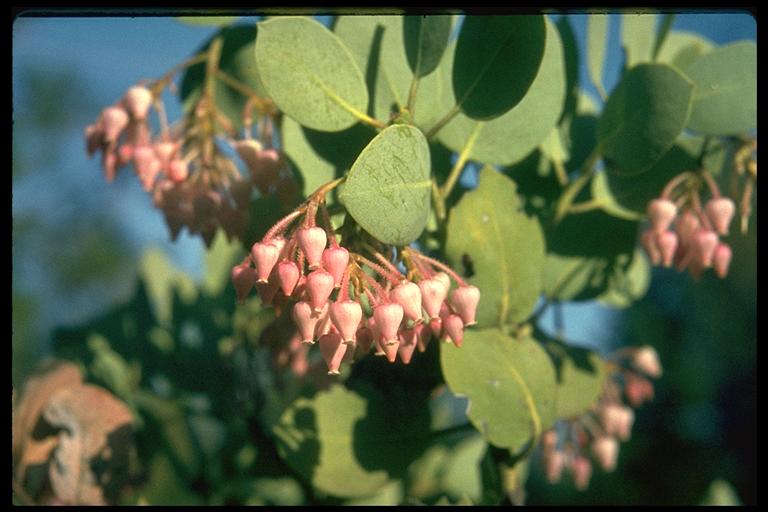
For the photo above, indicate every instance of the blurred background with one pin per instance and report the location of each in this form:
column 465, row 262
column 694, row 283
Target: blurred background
column 77, row 242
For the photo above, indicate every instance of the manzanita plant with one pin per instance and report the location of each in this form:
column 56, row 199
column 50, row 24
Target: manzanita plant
column 332, row 160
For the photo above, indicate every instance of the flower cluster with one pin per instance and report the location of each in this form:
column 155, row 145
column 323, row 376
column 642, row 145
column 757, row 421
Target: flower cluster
column 694, row 241
column 569, row 444
column 191, row 179
column 347, row 303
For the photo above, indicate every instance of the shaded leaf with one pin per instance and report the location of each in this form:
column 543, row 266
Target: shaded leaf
column 643, row 116
column 345, row 443
column 505, row 245
column 509, row 138
column 376, row 42
column 510, row 384
column 310, row 74
column 572, row 63
column 163, row 280
column 426, row 38
column 625, row 286
column 725, row 98
column 581, row 375
column 313, row 168
column 219, row 260
column 387, row 191
column 496, row 61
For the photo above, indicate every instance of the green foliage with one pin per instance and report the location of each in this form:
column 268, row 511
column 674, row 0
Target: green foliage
column 510, row 383
column 425, row 38
column 643, row 117
column 510, row 137
column 580, row 378
column 310, row 74
column 505, row 246
column 636, row 30
column 725, row 98
column 387, row 189
column 597, row 39
column 496, row 61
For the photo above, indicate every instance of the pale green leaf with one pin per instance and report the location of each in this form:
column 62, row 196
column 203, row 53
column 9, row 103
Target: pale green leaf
column 638, row 34
column 581, row 375
column 510, row 384
column 387, row 191
column 310, row 74
column 597, row 40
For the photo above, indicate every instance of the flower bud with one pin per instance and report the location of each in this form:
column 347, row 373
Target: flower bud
column 264, row 256
column 408, row 342
column 454, row 328
column 312, row 242
column 687, row 225
column 93, row 138
column 705, row 242
column 388, row 317
column 666, row 242
column 617, row 420
column 346, row 316
column 335, row 261
column 433, row 293
column 243, row 279
column 661, row 213
column 332, row 350
column 288, row 273
column 166, row 151
column 445, row 279
column 113, row 122
column 553, row 465
column 648, row 241
column 720, row 211
column 646, row 360
column 137, row 101
column 319, row 287
column 606, row 451
column 408, row 295
column 722, row 260
column 177, row 170
column 306, row 320
column 464, row 300
column 581, row 469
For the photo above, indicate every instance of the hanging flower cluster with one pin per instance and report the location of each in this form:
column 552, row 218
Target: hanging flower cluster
column 569, row 444
column 191, row 179
column 694, row 241
column 345, row 301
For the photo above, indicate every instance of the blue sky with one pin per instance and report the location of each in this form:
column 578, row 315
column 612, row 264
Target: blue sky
column 110, row 54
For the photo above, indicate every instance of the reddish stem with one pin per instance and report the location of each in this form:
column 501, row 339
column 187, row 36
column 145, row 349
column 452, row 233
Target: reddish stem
column 281, row 225
column 439, row 264
column 328, row 226
column 378, row 268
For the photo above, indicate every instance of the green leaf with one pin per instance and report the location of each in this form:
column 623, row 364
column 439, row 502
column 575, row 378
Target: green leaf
column 348, row 444
column 601, row 193
column 663, row 33
column 510, row 384
column 313, row 168
column 638, row 33
column 681, row 48
column 237, row 61
column 496, row 60
column 387, row 191
column 572, row 63
column 505, row 246
column 376, row 42
column 597, row 40
column 635, row 192
column 643, row 117
column 721, row 493
column 310, row 74
column 207, row 21
column 425, row 40
column 219, row 260
column 509, row 138
column 627, row 285
column 725, row 98
column 581, row 375
column 163, row 280
column 580, row 258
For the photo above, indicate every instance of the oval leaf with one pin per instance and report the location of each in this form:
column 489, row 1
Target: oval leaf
column 310, row 74
column 509, row 138
column 637, row 37
column 681, row 48
column 425, row 40
column 725, row 99
column 497, row 58
column 625, row 286
column 505, row 246
column 643, row 117
column 510, row 384
column 387, row 189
